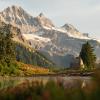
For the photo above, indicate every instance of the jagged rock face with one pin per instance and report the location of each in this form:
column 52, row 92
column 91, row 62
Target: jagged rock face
column 43, row 21
column 71, row 29
column 21, row 19
column 61, row 45
column 16, row 15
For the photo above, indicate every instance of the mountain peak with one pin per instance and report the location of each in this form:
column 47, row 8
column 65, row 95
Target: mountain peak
column 71, row 29
column 17, row 16
column 41, row 15
column 44, row 21
column 13, row 8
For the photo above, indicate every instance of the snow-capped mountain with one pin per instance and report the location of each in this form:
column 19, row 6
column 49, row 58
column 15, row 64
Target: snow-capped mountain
column 59, row 44
column 16, row 16
column 71, row 29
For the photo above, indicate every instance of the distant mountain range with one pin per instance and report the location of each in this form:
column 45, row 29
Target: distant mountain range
column 59, row 44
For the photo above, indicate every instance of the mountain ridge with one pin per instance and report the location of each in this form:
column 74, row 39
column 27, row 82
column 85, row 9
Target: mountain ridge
column 59, row 44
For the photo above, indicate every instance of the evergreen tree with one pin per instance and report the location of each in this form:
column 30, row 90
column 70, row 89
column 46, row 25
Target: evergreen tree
column 2, row 44
column 7, row 48
column 88, row 56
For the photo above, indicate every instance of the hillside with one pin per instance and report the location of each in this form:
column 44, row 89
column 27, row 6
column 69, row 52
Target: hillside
column 29, row 70
column 24, row 52
column 60, row 45
column 31, row 56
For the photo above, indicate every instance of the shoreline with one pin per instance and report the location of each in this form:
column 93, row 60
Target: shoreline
column 85, row 74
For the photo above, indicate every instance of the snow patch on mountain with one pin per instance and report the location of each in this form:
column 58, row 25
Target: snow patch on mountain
column 35, row 38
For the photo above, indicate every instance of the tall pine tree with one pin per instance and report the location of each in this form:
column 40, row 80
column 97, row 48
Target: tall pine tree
column 88, row 56
column 7, row 48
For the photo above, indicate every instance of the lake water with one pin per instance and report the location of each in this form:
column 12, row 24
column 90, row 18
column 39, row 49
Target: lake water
column 67, row 82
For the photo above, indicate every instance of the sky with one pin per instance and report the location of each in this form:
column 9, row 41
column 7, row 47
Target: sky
column 83, row 14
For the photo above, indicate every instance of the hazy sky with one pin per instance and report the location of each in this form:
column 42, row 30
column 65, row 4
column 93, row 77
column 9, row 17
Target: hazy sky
column 83, row 14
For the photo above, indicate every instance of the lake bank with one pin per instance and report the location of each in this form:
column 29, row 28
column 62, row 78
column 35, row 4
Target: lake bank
column 38, row 87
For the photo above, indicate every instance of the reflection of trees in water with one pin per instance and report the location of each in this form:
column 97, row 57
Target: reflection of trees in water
column 67, row 82
column 7, row 82
column 48, row 88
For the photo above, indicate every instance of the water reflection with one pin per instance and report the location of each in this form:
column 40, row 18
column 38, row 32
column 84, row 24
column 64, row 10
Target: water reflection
column 67, row 82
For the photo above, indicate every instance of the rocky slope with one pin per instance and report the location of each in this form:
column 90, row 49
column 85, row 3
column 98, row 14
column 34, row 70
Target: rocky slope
column 24, row 52
column 61, row 45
